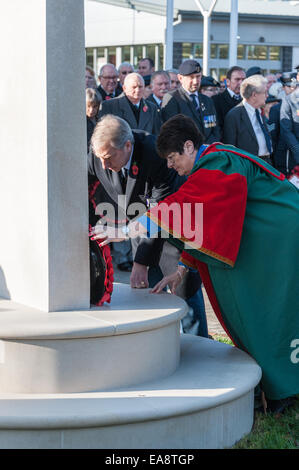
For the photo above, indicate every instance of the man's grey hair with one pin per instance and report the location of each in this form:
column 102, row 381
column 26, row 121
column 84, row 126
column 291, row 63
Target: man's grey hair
column 253, row 84
column 172, row 71
column 125, row 64
column 92, row 96
column 111, row 130
column 105, row 65
column 131, row 76
column 158, row 73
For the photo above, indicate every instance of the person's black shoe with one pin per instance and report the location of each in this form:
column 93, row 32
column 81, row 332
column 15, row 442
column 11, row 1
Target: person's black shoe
column 277, row 406
column 126, row 266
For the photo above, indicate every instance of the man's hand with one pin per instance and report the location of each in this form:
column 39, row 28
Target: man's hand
column 139, row 276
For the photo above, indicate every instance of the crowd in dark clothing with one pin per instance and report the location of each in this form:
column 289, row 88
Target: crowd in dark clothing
column 267, row 127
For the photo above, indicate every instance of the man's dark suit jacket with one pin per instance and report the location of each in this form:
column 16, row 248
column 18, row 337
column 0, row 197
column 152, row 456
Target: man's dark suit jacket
column 149, row 119
column 289, row 124
column 152, row 183
column 238, row 130
column 178, row 102
column 283, row 159
column 223, row 103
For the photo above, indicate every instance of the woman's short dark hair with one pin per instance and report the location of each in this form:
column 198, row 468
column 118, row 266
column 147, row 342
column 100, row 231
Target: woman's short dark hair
column 175, row 132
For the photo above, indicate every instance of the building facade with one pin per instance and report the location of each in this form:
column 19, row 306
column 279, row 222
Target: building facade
column 267, row 34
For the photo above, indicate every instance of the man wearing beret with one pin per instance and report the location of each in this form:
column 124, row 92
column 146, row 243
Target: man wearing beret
column 188, row 101
column 209, row 86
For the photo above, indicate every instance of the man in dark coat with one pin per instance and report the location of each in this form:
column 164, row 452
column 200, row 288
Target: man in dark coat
column 131, row 106
column 231, row 97
column 188, row 101
column 244, row 125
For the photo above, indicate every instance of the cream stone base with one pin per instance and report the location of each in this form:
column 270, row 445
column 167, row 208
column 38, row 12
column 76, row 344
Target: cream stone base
column 120, row 377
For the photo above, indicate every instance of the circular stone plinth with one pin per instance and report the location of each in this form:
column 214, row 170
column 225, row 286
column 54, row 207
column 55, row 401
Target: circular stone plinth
column 131, row 340
column 206, row 403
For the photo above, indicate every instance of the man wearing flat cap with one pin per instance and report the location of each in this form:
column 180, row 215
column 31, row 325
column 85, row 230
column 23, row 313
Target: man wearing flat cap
column 188, row 101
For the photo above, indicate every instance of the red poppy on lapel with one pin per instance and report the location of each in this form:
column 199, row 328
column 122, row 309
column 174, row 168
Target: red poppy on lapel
column 107, row 97
column 145, row 108
column 135, row 169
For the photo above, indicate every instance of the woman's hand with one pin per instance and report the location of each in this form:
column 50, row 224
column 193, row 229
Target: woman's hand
column 172, row 280
column 107, row 234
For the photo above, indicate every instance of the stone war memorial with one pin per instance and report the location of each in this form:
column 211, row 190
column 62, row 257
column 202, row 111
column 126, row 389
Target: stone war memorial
column 72, row 375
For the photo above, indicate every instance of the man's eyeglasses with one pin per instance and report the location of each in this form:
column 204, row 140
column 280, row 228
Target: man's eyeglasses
column 109, row 78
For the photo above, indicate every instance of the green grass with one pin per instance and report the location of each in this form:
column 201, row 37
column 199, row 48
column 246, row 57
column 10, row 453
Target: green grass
column 271, row 431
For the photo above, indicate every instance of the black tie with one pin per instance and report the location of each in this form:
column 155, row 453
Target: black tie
column 123, row 176
column 266, row 135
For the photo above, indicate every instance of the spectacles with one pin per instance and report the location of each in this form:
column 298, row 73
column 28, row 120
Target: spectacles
column 109, row 78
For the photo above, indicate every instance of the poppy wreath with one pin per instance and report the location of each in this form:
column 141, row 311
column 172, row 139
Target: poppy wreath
column 101, row 263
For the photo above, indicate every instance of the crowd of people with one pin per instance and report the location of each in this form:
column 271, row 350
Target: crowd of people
column 231, row 149
column 254, row 112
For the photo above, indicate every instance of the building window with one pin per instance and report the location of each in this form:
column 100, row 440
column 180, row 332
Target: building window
column 186, row 50
column 223, row 51
column 257, row 52
column 89, row 57
column 112, row 55
column 213, row 51
column 274, row 53
column 198, row 51
column 126, row 54
column 241, row 52
column 161, row 56
column 150, row 51
column 137, row 55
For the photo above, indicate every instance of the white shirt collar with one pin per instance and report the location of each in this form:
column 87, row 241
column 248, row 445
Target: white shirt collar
column 250, row 109
column 159, row 102
column 190, row 93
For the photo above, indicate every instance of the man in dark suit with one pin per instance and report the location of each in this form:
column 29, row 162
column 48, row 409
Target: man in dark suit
column 227, row 100
column 115, row 149
column 244, row 125
column 188, row 101
column 127, row 165
column 108, row 77
column 131, row 106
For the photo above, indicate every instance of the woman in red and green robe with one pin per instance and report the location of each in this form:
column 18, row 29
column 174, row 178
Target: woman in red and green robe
column 248, row 253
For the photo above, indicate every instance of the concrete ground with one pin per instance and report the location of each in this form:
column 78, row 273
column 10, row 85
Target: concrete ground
column 214, row 326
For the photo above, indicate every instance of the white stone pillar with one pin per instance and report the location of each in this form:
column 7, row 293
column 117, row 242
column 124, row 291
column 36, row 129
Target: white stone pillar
column 44, row 258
